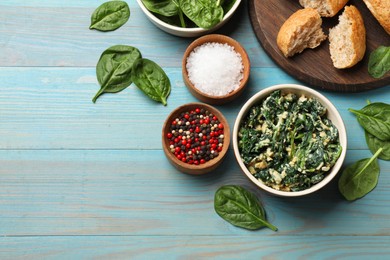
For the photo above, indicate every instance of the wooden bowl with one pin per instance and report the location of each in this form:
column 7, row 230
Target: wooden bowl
column 217, row 100
column 192, row 168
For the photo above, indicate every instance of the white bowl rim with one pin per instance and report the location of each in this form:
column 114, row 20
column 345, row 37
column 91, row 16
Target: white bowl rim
column 186, row 30
column 332, row 109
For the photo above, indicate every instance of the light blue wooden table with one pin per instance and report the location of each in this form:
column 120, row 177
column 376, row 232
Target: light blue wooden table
column 82, row 180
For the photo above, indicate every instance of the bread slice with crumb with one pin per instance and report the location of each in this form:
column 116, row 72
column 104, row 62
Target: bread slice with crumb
column 380, row 9
column 300, row 31
column 347, row 40
column 326, row 8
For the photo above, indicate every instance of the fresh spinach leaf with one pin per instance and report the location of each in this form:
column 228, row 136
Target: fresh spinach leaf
column 375, row 119
column 110, row 16
column 151, row 79
column 379, row 62
column 204, row 13
column 164, row 7
column 358, row 179
column 189, row 13
column 240, row 207
column 114, row 67
column 227, row 5
column 374, row 144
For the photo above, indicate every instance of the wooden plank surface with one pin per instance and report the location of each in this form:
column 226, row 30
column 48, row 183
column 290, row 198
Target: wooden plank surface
column 120, row 192
column 80, row 180
column 206, row 247
column 54, row 110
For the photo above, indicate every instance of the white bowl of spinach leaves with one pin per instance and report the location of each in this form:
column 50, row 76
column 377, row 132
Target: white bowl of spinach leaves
column 189, row 18
column 289, row 140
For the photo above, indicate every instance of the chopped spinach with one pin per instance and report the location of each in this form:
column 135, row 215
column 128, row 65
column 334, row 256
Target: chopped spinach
column 287, row 142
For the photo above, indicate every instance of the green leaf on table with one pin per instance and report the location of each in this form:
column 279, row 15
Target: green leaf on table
column 151, row 79
column 110, row 16
column 204, row 13
column 379, row 62
column 375, row 119
column 358, row 179
column 374, row 144
column 163, row 7
column 240, row 207
column 113, row 69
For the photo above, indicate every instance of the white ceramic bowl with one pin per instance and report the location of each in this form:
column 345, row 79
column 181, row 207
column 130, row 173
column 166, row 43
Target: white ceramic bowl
column 186, row 32
column 332, row 114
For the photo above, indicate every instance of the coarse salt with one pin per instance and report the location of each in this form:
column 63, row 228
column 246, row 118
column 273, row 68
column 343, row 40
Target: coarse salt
column 215, row 69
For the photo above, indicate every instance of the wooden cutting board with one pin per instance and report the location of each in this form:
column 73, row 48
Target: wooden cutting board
column 314, row 67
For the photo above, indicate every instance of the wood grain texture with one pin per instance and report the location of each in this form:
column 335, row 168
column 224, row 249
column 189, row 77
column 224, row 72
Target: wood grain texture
column 314, row 66
column 46, row 34
column 193, row 247
column 51, row 108
column 126, row 192
column 80, row 180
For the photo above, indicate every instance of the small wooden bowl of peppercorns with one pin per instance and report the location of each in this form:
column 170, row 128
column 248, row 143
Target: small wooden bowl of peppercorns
column 195, row 138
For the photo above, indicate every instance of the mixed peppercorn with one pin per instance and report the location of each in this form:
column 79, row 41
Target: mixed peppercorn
column 196, row 136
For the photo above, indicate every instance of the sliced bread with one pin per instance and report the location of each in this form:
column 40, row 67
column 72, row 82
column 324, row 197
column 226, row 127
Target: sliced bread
column 300, row 31
column 326, row 8
column 380, row 9
column 347, row 40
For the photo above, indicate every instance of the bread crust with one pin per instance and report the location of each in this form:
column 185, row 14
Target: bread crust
column 357, row 38
column 290, row 32
column 380, row 9
column 326, row 8
column 336, row 6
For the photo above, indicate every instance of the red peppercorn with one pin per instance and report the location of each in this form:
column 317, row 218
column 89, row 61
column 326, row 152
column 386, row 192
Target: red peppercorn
column 192, row 138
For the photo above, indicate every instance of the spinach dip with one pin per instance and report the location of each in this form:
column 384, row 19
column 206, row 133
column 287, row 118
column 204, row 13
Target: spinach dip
column 287, row 142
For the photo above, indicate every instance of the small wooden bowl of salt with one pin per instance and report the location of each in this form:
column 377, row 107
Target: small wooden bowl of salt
column 215, row 68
